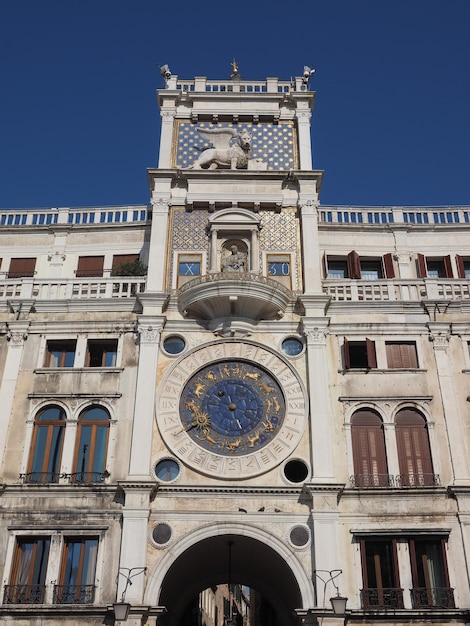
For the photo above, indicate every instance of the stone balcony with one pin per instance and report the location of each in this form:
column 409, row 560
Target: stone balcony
column 393, row 290
column 246, row 295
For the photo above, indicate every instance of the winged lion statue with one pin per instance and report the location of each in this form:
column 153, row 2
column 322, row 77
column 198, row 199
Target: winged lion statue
column 230, row 148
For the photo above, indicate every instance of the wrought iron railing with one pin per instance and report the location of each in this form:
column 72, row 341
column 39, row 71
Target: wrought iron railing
column 433, row 598
column 373, row 481
column 417, row 480
column 80, row 478
column 74, row 594
column 382, row 599
column 40, row 477
column 87, row 477
column 368, row 481
column 24, row 594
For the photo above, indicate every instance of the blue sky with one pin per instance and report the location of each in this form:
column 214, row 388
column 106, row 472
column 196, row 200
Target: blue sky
column 79, row 122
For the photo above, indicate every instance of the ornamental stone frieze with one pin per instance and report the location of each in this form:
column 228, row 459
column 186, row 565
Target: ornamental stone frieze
column 440, row 336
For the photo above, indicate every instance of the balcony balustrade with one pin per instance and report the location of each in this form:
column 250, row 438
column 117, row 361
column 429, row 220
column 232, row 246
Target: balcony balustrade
column 412, row 290
column 374, row 481
column 382, row 599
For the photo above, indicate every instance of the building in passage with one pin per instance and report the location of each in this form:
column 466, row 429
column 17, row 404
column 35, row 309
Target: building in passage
column 230, row 405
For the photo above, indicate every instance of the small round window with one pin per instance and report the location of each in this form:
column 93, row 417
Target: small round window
column 296, row 471
column 174, row 344
column 292, row 346
column 167, row 470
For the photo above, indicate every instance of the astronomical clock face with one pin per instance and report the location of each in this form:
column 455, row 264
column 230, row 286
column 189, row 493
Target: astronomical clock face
column 238, row 415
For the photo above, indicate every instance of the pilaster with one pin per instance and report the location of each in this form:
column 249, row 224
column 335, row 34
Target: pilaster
column 149, row 329
column 440, row 334
column 17, row 334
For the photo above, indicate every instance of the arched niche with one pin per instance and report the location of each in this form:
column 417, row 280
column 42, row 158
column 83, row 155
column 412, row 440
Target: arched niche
column 234, row 224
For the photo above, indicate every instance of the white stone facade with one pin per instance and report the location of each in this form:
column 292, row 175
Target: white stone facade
column 270, row 422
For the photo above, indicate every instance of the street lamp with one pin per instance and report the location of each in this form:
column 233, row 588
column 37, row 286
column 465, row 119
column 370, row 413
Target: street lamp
column 338, row 602
column 121, row 608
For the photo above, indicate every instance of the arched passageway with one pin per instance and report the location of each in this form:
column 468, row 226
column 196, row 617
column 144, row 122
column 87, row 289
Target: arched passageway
column 253, row 564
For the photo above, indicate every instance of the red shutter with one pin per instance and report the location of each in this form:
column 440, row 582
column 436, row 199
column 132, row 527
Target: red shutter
column 21, row 268
column 388, row 265
column 347, row 359
column 90, row 266
column 460, row 266
column 371, row 358
column 354, row 265
column 448, row 267
column 422, row 270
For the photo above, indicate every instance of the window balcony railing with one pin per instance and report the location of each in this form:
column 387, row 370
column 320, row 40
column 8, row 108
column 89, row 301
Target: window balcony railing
column 382, row 599
column 417, row 480
column 77, row 478
column 369, row 481
column 433, row 598
column 40, row 478
column 74, row 594
column 374, row 481
column 24, row 594
column 83, row 478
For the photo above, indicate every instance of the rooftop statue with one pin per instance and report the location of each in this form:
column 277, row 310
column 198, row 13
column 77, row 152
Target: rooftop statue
column 230, row 149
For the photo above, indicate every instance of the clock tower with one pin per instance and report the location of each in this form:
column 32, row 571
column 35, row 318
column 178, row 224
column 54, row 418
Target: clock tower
column 231, row 476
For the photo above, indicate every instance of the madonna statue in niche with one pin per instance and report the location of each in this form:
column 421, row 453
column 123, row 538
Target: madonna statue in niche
column 234, row 261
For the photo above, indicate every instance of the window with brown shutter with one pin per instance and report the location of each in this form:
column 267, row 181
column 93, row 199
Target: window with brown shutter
column 359, row 354
column 434, row 267
column 21, row 268
column 90, row 266
column 463, row 266
column 354, row 265
column 431, row 585
column 370, row 461
column 401, row 354
column 123, row 259
column 414, row 452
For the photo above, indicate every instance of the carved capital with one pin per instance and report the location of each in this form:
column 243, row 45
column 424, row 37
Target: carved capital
column 167, row 116
column 440, row 340
column 56, row 257
column 402, row 257
column 160, row 205
column 149, row 334
column 309, row 207
column 304, row 116
column 316, row 335
column 17, row 333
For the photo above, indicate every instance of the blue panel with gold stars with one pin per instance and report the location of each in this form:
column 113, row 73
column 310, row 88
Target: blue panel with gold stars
column 273, row 144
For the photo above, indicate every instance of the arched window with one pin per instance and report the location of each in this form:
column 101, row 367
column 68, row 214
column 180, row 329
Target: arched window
column 414, row 452
column 370, row 461
column 46, row 449
column 92, row 444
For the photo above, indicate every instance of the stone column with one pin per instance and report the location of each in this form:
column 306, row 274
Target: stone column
column 440, row 336
column 17, row 334
column 149, row 329
column 320, row 415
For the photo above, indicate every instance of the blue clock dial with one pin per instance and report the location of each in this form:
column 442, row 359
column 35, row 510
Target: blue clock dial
column 232, row 407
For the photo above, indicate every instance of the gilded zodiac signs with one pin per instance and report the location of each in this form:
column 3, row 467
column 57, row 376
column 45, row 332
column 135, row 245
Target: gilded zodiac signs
column 232, row 407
